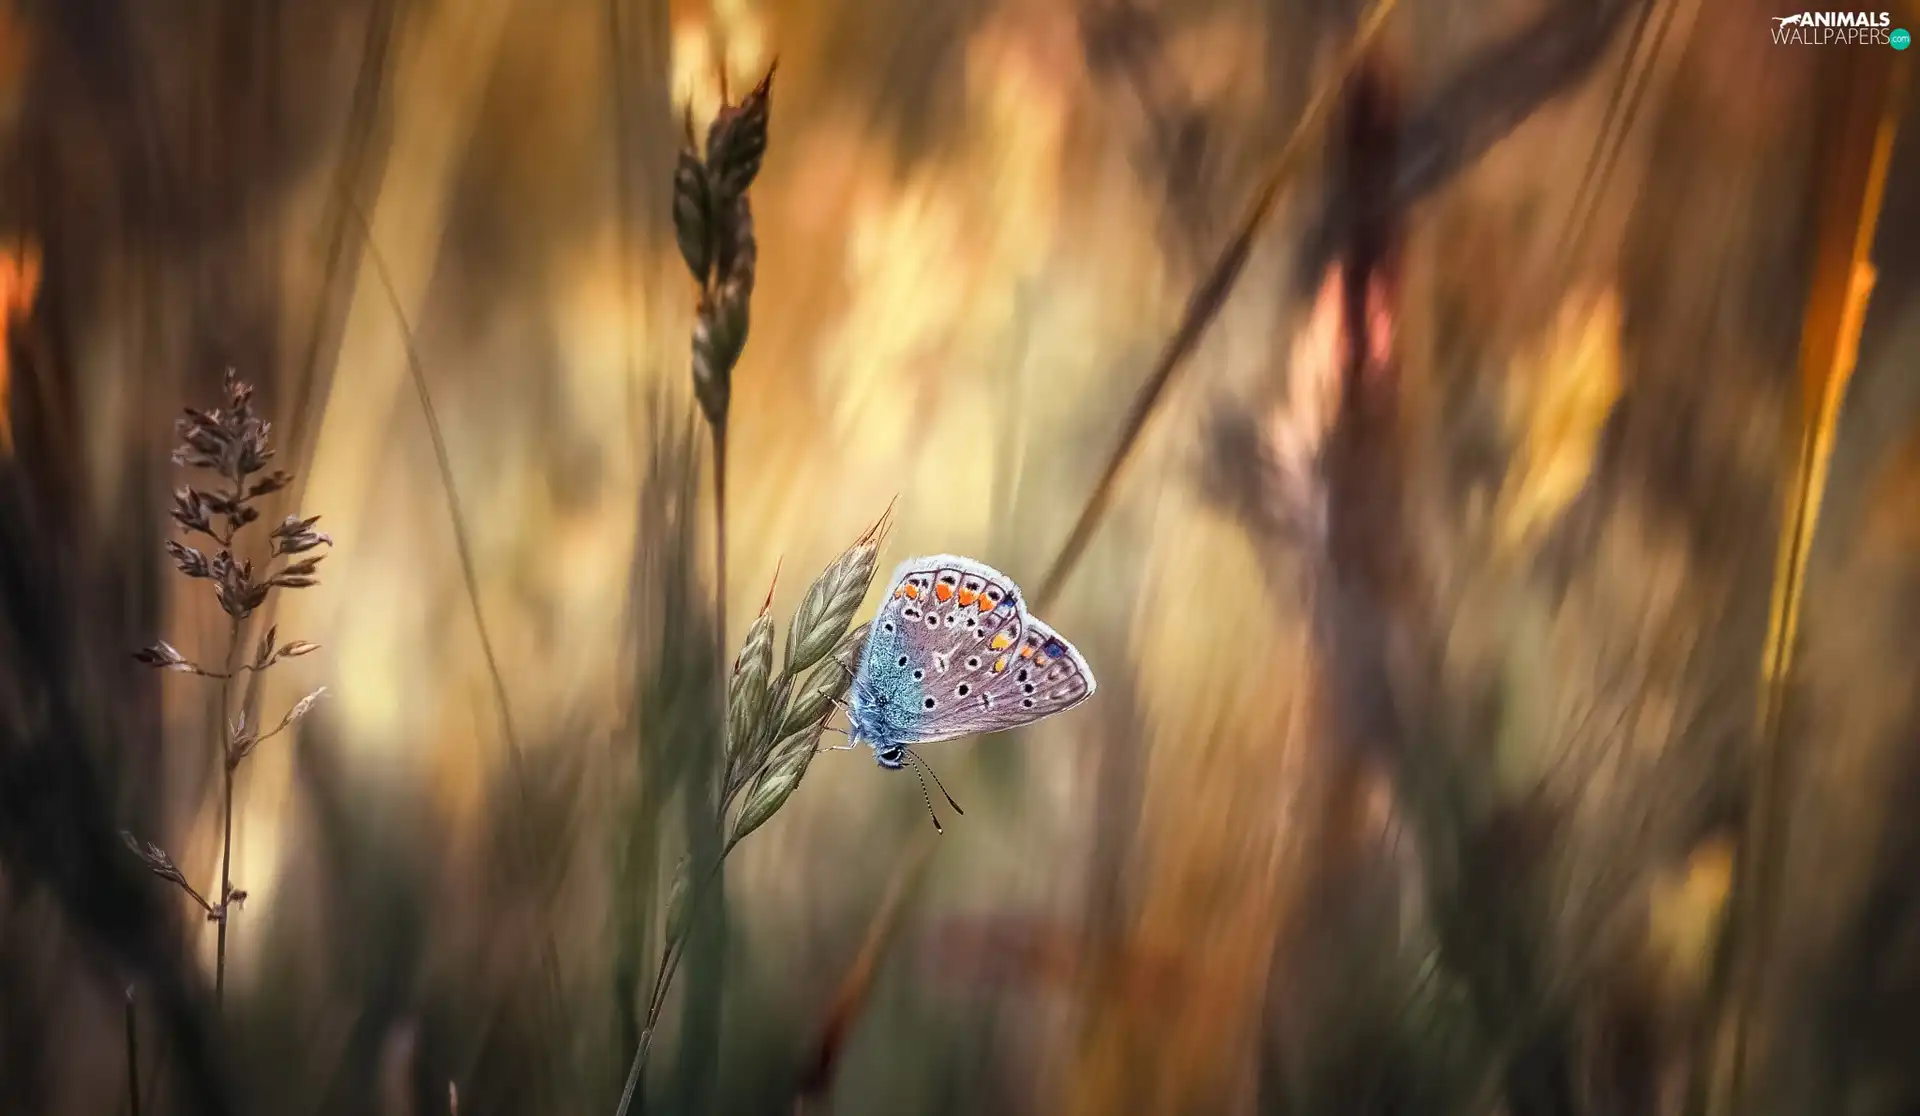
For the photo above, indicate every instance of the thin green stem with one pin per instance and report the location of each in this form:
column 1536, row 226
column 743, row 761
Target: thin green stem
column 662, row 980
column 670, row 957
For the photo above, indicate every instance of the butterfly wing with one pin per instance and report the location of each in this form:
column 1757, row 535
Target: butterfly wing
column 954, row 652
column 1032, row 677
column 944, row 616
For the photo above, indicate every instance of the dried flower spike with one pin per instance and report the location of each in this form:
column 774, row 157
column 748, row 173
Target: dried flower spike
column 713, row 225
column 693, row 216
column 233, row 443
column 737, row 139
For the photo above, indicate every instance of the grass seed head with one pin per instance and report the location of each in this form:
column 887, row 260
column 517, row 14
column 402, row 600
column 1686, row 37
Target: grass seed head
column 777, row 781
column 827, row 684
column 719, row 337
column 737, row 139
column 830, row 604
column 747, row 692
column 736, row 250
column 693, row 216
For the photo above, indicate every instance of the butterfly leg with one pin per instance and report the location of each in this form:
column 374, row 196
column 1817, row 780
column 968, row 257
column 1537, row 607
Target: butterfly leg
column 849, row 746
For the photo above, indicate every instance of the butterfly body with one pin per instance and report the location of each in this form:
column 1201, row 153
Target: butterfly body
column 953, row 652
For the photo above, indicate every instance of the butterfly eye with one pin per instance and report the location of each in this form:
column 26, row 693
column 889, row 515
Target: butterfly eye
column 933, row 621
column 902, row 661
column 1027, row 703
column 888, row 626
column 918, row 675
column 929, row 703
column 971, row 622
column 1021, row 677
column 962, row 691
column 973, row 663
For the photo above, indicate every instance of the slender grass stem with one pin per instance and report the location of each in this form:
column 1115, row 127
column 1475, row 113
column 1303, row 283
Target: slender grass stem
column 133, row 1056
column 227, row 765
column 720, row 568
column 1207, row 300
column 662, row 980
column 470, row 581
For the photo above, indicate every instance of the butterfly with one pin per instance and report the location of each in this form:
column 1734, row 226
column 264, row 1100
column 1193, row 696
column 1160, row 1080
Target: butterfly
column 953, row 652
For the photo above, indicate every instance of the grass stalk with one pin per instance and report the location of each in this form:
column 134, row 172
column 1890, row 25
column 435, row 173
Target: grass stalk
column 232, row 442
column 773, row 731
column 769, row 722
column 1207, row 300
column 470, row 581
column 133, row 1055
column 226, row 811
column 719, row 428
column 657, row 999
column 1843, row 276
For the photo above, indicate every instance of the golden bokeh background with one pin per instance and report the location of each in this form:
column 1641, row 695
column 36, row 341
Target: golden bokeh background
column 977, row 223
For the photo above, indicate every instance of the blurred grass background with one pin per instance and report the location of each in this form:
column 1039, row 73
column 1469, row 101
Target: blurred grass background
column 1477, row 865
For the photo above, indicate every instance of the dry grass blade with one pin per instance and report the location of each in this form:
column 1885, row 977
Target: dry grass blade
column 1206, row 302
column 843, row 1011
column 1835, row 314
column 469, row 574
column 463, row 545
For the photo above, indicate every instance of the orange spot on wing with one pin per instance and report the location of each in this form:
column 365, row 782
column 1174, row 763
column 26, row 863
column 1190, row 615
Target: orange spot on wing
column 1000, row 664
column 1000, row 642
column 910, row 591
column 1026, row 652
column 943, row 591
column 966, row 598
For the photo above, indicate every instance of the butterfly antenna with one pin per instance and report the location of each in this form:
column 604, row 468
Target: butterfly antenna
column 937, row 783
column 928, row 799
